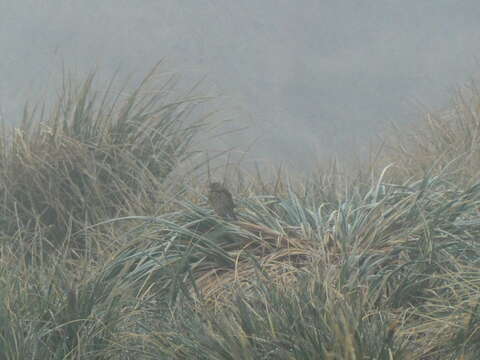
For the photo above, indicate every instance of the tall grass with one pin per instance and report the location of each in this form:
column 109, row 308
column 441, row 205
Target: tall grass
column 93, row 155
column 445, row 141
column 382, row 265
column 359, row 281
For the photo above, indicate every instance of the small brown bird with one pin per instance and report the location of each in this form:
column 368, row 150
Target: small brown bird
column 221, row 200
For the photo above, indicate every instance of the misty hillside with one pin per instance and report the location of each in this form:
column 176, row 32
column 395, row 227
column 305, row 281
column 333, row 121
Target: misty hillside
column 329, row 74
column 111, row 250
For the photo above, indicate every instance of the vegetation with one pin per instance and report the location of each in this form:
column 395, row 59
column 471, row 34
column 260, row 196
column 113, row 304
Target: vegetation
column 109, row 250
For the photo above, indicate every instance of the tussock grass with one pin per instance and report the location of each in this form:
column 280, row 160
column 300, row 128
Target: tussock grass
column 94, row 155
column 444, row 142
column 101, row 258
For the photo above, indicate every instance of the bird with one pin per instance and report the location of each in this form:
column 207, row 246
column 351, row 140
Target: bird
column 221, row 201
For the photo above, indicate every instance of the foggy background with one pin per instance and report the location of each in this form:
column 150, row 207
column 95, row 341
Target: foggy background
column 310, row 78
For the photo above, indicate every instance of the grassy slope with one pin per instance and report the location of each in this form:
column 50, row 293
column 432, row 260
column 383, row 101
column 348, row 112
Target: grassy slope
column 383, row 265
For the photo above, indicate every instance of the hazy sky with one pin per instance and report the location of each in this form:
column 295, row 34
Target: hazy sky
column 309, row 77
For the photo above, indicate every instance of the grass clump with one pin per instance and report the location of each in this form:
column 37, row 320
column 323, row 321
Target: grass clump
column 383, row 265
column 445, row 141
column 94, row 155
